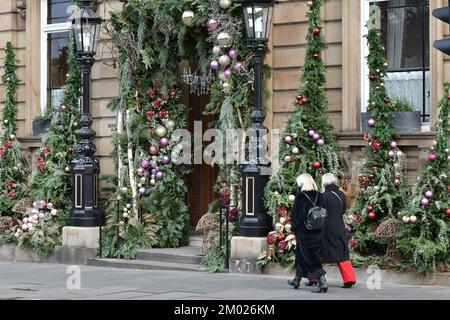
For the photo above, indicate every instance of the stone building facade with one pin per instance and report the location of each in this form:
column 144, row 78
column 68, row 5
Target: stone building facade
column 33, row 27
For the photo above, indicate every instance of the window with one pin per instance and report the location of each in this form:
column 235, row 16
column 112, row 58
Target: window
column 54, row 50
column 404, row 26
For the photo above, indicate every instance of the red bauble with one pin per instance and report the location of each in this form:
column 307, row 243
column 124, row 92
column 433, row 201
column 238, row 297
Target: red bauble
column 317, row 31
column 317, row 164
column 303, row 101
column 447, row 212
column 371, row 215
column 448, row 97
column 372, row 78
column 299, row 98
column 7, row 144
column 386, row 100
column 370, row 208
column 448, row 188
column 289, row 219
column 316, row 56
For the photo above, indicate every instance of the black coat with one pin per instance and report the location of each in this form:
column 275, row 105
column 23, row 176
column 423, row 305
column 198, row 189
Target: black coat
column 335, row 242
column 308, row 252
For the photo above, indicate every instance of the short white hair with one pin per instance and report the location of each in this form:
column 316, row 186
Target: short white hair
column 306, row 182
column 329, row 179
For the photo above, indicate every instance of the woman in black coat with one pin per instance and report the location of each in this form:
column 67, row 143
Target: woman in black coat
column 308, row 251
column 335, row 242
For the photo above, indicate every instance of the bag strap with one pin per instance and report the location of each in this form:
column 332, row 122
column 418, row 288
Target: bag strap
column 313, row 202
column 340, row 200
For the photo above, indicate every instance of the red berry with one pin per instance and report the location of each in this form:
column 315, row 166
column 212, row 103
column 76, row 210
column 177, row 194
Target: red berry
column 289, row 219
column 317, row 164
column 386, row 100
column 317, row 31
column 370, row 208
column 371, row 215
column 447, row 212
column 448, row 97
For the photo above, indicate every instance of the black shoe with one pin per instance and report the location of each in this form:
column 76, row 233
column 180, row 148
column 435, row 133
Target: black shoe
column 348, row 285
column 322, row 286
column 294, row 282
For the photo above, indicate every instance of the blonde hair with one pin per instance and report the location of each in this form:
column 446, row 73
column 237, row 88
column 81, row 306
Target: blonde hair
column 329, row 179
column 306, row 183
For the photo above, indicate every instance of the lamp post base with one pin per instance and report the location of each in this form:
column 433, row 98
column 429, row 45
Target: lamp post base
column 85, row 217
column 255, row 226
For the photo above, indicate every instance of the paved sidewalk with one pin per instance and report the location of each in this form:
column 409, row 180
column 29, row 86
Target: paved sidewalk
column 49, row 281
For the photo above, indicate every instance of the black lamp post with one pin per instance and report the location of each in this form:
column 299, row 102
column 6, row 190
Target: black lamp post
column 255, row 222
column 85, row 168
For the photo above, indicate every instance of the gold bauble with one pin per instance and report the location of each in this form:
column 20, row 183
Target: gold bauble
column 12, row 137
column 224, row 39
column 161, row 131
column 225, row 4
column 187, row 18
column 309, row 3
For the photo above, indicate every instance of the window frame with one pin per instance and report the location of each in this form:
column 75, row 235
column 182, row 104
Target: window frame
column 365, row 85
column 47, row 29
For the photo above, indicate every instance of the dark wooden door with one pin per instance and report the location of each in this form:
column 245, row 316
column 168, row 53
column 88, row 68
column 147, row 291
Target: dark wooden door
column 203, row 176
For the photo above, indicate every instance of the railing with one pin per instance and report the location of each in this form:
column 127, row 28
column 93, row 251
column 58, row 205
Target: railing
column 225, row 215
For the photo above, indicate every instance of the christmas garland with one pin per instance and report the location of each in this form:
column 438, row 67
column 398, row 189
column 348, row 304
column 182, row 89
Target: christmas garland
column 12, row 173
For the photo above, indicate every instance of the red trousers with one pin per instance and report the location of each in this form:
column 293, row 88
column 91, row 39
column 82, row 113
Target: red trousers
column 347, row 272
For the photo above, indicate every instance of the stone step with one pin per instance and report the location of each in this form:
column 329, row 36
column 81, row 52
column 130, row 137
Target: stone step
column 186, row 255
column 145, row 264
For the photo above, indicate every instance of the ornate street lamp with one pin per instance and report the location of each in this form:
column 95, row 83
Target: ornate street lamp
column 255, row 222
column 85, row 168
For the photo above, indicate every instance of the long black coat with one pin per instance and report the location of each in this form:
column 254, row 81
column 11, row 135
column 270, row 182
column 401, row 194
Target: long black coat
column 335, row 242
column 308, row 252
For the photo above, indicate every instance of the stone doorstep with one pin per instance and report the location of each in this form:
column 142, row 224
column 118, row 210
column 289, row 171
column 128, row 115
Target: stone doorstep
column 363, row 275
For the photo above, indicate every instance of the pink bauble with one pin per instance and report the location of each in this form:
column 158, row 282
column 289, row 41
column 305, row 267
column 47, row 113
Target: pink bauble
column 429, row 194
column 393, row 144
column 153, row 150
column 315, row 136
column 232, row 53
column 214, row 65
column 227, row 73
column 164, row 141
column 142, row 191
column 213, row 24
column 371, row 123
column 288, row 139
column 159, row 175
column 311, row 133
column 320, row 142
column 424, row 201
column 391, row 154
column 432, row 157
column 145, row 164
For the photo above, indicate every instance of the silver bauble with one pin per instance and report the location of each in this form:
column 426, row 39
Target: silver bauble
column 216, row 50
column 226, row 87
column 225, row 4
column 161, row 131
column 224, row 39
column 221, row 76
column 224, row 60
column 170, row 124
column 152, row 182
column 187, row 18
column 295, row 150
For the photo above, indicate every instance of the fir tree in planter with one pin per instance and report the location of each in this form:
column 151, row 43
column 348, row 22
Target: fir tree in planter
column 51, row 184
column 307, row 143
column 382, row 171
column 12, row 174
column 425, row 236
